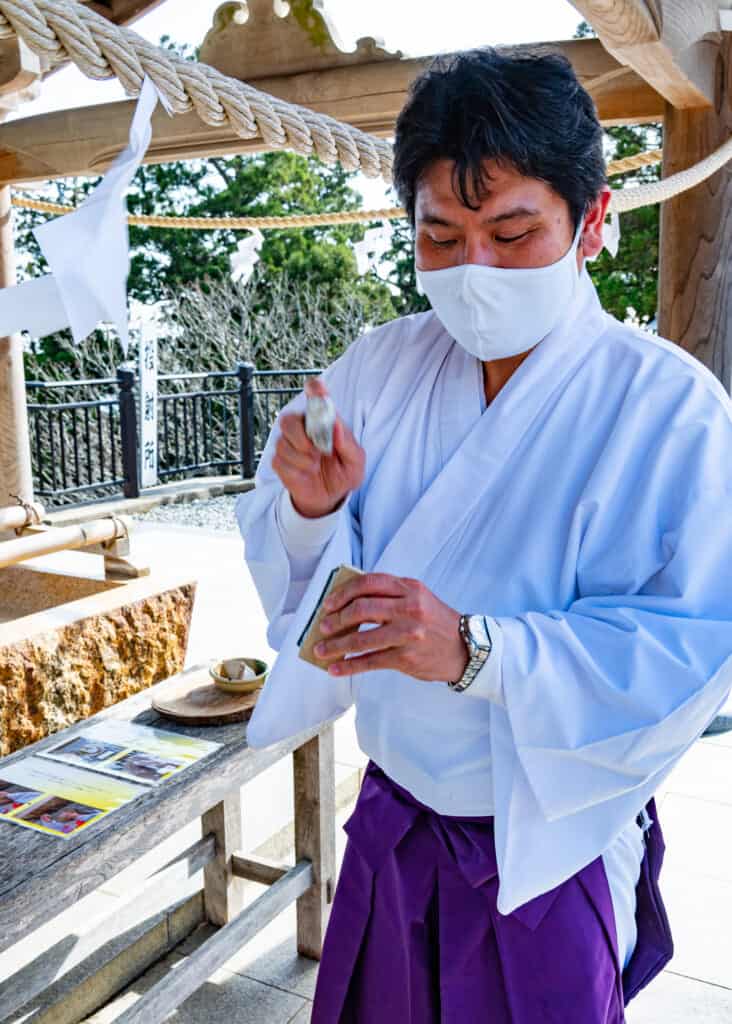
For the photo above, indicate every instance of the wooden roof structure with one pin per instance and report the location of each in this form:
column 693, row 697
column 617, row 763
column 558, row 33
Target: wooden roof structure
column 653, row 60
column 123, row 12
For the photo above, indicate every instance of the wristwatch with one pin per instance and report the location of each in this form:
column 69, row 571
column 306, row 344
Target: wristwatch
column 474, row 631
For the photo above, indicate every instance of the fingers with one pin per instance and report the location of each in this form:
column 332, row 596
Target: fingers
column 365, row 663
column 296, row 468
column 317, row 483
column 287, row 456
column 357, row 612
column 292, row 428
column 372, row 584
column 380, row 639
column 345, row 447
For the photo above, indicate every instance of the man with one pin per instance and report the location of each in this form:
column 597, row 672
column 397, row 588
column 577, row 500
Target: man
column 540, row 499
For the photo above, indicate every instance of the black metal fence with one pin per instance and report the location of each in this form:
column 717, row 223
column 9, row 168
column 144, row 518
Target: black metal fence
column 85, row 434
column 76, row 438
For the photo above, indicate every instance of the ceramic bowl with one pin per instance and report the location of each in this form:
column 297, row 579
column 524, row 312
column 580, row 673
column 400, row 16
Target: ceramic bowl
column 226, row 674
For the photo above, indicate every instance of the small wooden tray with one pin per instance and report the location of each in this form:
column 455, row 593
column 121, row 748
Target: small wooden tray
column 194, row 700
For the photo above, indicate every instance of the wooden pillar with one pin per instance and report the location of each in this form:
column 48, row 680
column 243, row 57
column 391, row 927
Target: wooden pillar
column 15, row 457
column 314, row 769
column 695, row 271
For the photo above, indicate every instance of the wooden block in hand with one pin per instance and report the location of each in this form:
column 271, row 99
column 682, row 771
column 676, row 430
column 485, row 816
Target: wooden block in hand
column 311, row 634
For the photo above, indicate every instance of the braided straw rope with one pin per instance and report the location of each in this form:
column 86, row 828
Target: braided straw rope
column 303, row 220
column 59, row 30
column 300, row 220
column 635, row 162
column 627, row 199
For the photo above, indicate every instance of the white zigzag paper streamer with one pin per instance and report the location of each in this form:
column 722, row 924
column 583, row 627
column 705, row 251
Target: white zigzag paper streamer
column 87, row 252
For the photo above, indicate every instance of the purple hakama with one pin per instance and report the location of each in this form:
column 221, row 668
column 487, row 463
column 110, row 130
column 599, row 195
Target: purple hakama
column 415, row 937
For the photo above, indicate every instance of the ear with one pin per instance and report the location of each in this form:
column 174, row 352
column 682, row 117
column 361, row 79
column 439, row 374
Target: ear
column 591, row 238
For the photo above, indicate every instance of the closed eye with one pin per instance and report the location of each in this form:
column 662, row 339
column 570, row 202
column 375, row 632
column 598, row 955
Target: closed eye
column 512, row 238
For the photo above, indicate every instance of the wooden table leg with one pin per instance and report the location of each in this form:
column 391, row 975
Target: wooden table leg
column 222, row 890
column 314, row 770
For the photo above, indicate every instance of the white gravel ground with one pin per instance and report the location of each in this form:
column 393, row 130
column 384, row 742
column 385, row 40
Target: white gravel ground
column 215, row 514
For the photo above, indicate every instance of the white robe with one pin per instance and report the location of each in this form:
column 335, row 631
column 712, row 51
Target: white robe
column 587, row 511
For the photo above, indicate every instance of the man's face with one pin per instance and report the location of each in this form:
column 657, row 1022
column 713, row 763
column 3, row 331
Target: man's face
column 519, row 221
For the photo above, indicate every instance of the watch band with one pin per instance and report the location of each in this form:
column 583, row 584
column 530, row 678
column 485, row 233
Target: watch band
column 478, row 655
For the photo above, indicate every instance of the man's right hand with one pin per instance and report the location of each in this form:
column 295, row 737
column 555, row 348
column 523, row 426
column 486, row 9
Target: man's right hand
column 317, row 483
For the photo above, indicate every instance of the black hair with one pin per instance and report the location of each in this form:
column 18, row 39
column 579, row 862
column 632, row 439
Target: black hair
column 522, row 108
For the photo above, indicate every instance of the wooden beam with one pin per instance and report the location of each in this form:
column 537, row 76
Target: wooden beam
column 622, row 97
column 672, row 44
column 369, row 96
column 122, row 12
column 256, row 869
column 620, row 22
column 695, row 273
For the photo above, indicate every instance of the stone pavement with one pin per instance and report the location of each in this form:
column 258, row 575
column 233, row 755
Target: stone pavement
column 695, row 809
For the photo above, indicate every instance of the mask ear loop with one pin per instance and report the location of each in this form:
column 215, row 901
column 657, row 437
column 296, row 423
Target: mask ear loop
column 420, row 289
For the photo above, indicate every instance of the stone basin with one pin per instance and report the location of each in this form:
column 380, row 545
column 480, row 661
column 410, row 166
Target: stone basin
column 24, row 590
column 72, row 644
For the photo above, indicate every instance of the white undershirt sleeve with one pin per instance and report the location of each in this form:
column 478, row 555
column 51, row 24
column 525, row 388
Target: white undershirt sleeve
column 304, row 539
column 488, row 683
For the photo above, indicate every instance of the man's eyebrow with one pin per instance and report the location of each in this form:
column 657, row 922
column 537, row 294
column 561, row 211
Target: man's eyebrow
column 430, row 217
column 515, row 211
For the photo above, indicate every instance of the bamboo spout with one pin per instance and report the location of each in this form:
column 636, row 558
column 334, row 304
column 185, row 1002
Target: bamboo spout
column 17, row 516
column 65, row 538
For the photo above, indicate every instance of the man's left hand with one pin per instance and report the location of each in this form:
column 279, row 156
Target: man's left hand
column 415, row 632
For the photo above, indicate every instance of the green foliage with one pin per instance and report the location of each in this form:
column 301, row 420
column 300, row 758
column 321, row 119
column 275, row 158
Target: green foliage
column 407, row 299
column 269, row 184
column 630, row 281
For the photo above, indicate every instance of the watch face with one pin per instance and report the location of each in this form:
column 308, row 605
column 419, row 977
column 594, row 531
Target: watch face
column 479, row 632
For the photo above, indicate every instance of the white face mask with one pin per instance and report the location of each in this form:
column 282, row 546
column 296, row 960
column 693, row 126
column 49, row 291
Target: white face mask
column 494, row 312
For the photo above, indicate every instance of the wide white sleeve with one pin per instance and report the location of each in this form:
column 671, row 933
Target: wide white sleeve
column 604, row 696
